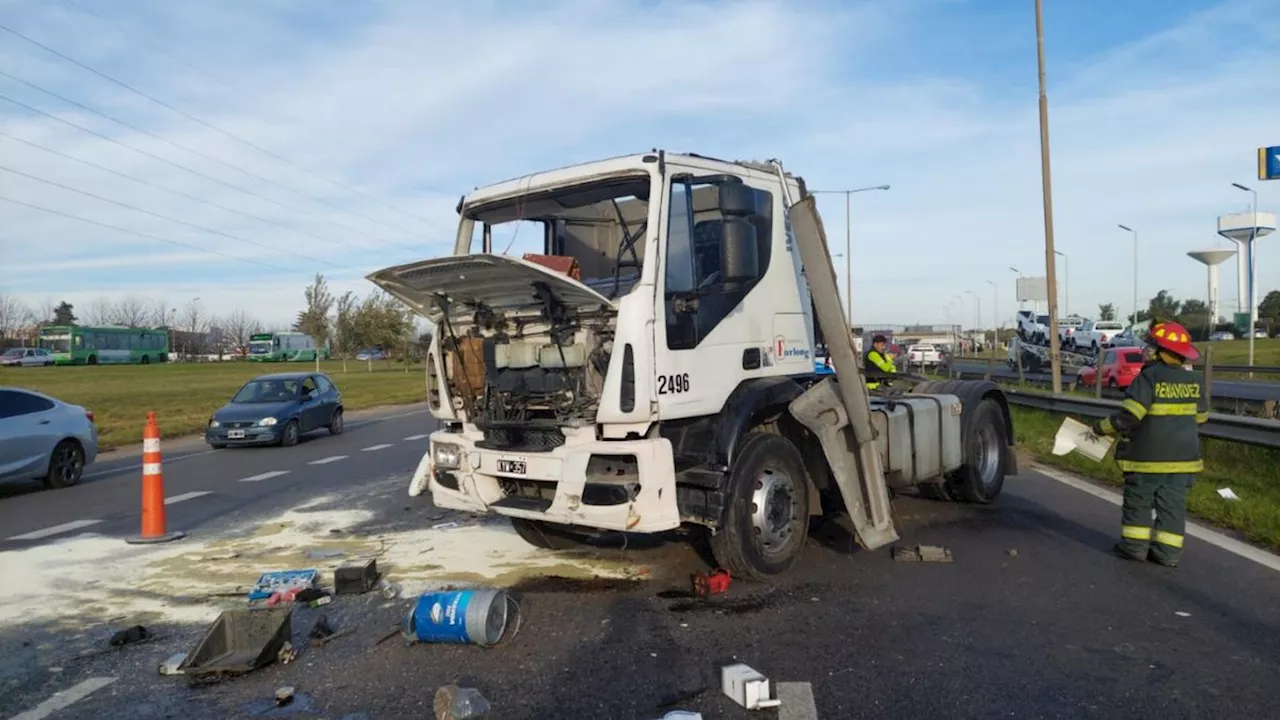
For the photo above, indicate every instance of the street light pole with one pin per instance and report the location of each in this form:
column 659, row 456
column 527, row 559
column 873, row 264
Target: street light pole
column 1017, row 287
column 995, row 318
column 1252, row 262
column 1050, row 269
column 1134, row 323
column 848, row 243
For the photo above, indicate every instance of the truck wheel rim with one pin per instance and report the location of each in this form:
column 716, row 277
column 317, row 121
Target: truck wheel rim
column 987, row 450
column 773, row 507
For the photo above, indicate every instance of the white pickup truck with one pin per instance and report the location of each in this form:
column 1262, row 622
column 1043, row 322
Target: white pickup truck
column 1033, row 328
column 1096, row 335
column 923, row 355
column 1067, row 328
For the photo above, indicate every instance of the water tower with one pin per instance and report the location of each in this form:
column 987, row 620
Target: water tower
column 1245, row 229
column 1212, row 259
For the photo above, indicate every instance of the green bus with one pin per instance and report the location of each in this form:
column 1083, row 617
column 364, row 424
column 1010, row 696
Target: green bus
column 79, row 345
column 284, row 347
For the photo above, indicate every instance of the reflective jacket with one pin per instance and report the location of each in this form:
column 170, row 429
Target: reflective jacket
column 876, row 359
column 1159, row 421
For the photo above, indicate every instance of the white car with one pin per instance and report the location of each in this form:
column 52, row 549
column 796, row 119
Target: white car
column 1067, row 328
column 923, row 355
column 1096, row 335
column 26, row 357
column 43, row 438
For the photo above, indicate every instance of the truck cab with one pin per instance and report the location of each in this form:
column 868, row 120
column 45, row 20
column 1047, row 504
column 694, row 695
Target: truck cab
column 647, row 369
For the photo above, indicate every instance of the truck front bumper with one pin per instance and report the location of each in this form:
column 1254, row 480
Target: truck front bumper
column 484, row 479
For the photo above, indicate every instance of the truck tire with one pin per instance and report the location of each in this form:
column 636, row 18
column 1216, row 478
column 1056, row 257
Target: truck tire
column 544, row 535
column 981, row 478
column 766, row 521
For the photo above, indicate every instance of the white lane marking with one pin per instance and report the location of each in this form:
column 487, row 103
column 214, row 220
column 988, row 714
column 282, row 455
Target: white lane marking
column 186, row 496
column 127, row 468
column 1200, row 532
column 55, row 530
column 411, row 438
column 64, row 698
column 371, row 448
column 326, row 461
column 264, row 476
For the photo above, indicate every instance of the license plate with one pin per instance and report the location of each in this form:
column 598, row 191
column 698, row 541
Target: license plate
column 235, row 434
column 512, row 466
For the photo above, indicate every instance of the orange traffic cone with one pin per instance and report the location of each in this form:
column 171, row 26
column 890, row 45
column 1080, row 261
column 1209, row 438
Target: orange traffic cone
column 153, row 530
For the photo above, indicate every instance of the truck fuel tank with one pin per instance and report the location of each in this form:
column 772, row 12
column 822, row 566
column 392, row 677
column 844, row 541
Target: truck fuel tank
column 919, row 436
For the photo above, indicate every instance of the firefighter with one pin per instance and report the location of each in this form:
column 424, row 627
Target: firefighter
column 878, row 357
column 1159, row 446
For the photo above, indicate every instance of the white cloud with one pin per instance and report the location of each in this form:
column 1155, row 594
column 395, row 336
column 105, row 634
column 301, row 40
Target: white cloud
column 416, row 103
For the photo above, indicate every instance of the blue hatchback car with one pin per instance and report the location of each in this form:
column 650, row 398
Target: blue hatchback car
column 277, row 409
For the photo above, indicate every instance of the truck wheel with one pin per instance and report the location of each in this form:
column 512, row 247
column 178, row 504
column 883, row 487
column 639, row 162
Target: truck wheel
column 981, row 478
column 544, row 535
column 766, row 522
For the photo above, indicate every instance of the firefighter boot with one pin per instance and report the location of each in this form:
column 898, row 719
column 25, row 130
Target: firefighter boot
column 1171, row 519
column 1135, row 516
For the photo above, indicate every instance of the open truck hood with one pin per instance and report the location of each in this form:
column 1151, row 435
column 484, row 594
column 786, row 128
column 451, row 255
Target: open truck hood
column 500, row 281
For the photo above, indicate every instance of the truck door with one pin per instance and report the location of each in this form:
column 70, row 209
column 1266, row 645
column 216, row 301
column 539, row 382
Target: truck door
column 717, row 317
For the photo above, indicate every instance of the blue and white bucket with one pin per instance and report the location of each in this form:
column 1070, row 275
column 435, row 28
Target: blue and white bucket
column 476, row 616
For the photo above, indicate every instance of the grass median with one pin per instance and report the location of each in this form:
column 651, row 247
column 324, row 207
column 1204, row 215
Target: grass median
column 1251, row 472
column 183, row 395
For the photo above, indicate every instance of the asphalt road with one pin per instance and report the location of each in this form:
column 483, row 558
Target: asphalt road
column 1033, row 618
column 1253, row 392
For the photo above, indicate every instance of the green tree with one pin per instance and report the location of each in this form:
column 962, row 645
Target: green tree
column 1106, row 311
column 314, row 321
column 64, row 314
column 346, row 327
column 1269, row 308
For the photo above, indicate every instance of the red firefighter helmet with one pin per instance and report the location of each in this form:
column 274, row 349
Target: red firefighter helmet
column 1174, row 338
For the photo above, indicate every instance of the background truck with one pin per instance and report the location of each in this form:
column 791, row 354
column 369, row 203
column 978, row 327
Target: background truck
column 668, row 380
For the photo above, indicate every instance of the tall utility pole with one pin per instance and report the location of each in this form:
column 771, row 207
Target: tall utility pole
column 1049, row 266
column 848, row 244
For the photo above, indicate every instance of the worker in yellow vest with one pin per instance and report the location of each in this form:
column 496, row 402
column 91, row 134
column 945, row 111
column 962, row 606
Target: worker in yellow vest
column 878, row 357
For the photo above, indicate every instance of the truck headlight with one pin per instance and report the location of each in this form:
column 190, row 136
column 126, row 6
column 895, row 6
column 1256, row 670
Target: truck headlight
column 446, row 456
column 267, row 422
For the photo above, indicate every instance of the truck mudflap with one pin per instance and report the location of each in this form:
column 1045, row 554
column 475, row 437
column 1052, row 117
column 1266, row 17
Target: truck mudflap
column 840, row 413
column 822, row 410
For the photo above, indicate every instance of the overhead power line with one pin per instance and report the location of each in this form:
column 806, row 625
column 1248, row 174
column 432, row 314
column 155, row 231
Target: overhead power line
column 167, row 161
column 157, row 238
column 170, row 190
column 207, row 124
column 135, row 208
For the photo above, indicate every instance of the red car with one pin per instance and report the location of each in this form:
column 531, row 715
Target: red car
column 1119, row 367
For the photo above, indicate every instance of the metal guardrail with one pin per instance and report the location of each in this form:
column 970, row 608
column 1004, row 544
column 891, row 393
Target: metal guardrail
column 1232, row 428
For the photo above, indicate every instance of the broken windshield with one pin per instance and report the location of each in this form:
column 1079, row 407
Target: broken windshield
column 601, row 225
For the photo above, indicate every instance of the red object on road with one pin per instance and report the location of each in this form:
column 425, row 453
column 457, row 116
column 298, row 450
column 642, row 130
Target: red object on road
column 1119, row 367
column 717, row 583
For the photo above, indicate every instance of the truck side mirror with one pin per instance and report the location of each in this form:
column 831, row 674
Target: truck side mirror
column 739, row 251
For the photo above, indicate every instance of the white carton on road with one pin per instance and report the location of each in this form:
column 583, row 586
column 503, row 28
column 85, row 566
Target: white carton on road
column 747, row 687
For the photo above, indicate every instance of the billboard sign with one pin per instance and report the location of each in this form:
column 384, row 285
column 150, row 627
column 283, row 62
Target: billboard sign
column 1269, row 163
column 1033, row 289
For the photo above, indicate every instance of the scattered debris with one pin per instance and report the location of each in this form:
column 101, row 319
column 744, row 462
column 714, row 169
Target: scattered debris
column 129, row 636
column 389, row 635
column 458, row 703
column 322, row 632
column 173, row 664
column 242, row 640
column 447, row 525
column 704, row 585
column 325, row 554
column 475, row 616
column 1180, row 613
column 747, row 687
column 284, row 695
column 797, row 701
column 228, row 555
column 1228, row 494
column 389, row 590
column 922, row 553
column 288, row 653
column 682, row 715
column 356, row 579
column 1013, row 552
column 270, row 583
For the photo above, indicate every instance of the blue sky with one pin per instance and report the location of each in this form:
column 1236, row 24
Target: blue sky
column 1156, row 107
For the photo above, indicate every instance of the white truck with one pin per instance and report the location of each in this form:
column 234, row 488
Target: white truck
column 1097, row 335
column 654, row 369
